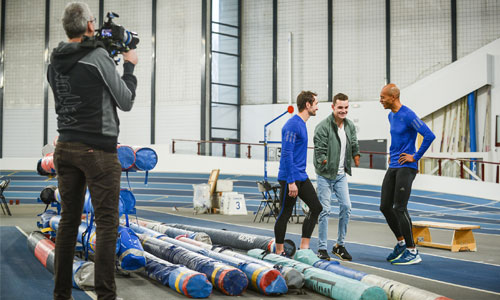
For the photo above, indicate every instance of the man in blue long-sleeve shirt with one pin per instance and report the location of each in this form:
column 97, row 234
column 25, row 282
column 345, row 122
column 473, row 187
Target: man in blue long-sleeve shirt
column 396, row 187
column 292, row 174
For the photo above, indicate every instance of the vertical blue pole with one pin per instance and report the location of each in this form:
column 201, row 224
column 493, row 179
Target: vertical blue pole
column 471, row 103
column 265, row 141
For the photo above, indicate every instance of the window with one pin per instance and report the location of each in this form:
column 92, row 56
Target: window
column 225, row 76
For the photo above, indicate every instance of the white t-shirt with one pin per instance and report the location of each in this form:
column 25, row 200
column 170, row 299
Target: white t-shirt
column 343, row 139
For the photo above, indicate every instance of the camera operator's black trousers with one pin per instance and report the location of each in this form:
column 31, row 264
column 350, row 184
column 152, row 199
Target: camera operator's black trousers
column 308, row 194
column 396, row 190
column 77, row 166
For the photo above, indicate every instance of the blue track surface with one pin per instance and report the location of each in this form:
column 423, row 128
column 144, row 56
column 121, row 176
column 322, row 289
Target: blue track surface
column 22, row 275
column 175, row 189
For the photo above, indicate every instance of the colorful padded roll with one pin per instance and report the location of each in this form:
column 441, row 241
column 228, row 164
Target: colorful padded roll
column 293, row 278
column 131, row 254
column 400, row 291
column 48, row 164
column 239, row 240
column 393, row 289
column 326, row 283
column 175, row 232
column 310, row 258
column 263, row 279
column 228, row 279
column 179, row 278
column 43, row 249
column 145, row 230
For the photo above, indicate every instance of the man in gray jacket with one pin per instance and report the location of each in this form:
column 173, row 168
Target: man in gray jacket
column 88, row 90
column 335, row 143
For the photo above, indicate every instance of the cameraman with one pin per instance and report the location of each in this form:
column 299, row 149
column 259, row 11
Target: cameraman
column 87, row 90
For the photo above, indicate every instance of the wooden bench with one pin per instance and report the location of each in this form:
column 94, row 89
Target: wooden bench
column 463, row 238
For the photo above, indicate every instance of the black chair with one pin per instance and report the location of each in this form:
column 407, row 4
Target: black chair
column 269, row 205
column 4, row 183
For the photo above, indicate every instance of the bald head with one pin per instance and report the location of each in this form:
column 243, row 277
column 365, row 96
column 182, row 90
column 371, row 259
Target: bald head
column 389, row 97
column 392, row 90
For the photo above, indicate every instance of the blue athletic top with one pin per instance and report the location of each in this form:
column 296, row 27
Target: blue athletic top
column 293, row 151
column 404, row 127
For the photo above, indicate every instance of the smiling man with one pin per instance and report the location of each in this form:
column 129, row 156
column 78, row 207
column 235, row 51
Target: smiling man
column 292, row 174
column 396, row 187
column 335, row 143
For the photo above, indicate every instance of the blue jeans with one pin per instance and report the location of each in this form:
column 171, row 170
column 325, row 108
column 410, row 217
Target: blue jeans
column 327, row 188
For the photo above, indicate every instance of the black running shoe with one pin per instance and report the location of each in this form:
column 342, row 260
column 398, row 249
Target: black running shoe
column 341, row 252
column 323, row 254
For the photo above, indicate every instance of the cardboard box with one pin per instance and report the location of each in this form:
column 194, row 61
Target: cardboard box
column 224, row 186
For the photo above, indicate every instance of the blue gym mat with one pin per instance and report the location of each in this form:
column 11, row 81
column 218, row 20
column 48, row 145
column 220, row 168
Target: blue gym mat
column 22, row 275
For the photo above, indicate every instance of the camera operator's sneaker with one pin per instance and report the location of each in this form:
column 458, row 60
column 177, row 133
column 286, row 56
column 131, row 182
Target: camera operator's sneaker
column 396, row 253
column 341, row 252
column 323, row 254
column 407, row 258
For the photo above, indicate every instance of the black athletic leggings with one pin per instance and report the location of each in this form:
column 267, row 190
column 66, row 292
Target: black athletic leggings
column 396, row 190
column 308, row 194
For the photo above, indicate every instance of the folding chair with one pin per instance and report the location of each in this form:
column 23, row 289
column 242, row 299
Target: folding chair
column 269, row 203
column 4, row 183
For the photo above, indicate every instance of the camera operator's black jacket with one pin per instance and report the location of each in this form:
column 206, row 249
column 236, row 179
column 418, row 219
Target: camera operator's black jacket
column 87, row 90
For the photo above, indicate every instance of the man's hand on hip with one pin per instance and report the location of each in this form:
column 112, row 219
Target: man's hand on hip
column 405, row 158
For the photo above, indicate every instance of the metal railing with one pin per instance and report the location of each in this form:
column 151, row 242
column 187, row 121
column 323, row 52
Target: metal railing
column 462, row 162
column 223, row 143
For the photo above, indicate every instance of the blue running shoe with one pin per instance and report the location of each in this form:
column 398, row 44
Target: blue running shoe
column 396, row 253
column 407, row 258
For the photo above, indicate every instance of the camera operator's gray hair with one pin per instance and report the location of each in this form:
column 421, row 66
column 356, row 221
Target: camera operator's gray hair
column 74, row 19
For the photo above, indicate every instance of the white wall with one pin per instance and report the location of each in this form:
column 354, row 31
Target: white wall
column 307, row 20
column 256, row 52
column 478, row 23
column 358, row 39
column 23, row 78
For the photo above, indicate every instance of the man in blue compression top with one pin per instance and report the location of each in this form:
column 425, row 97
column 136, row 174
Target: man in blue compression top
column 292, row 174
column 396, row 187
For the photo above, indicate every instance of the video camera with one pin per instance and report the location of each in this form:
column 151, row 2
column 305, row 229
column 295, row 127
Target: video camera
column 116, row 38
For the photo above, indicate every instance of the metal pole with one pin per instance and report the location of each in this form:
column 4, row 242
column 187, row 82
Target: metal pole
column 482, row 171
column 153, row 74
column 498, row 173
column 45, row 68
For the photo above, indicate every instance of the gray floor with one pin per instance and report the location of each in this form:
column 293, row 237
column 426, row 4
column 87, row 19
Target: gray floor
column 137, row 287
